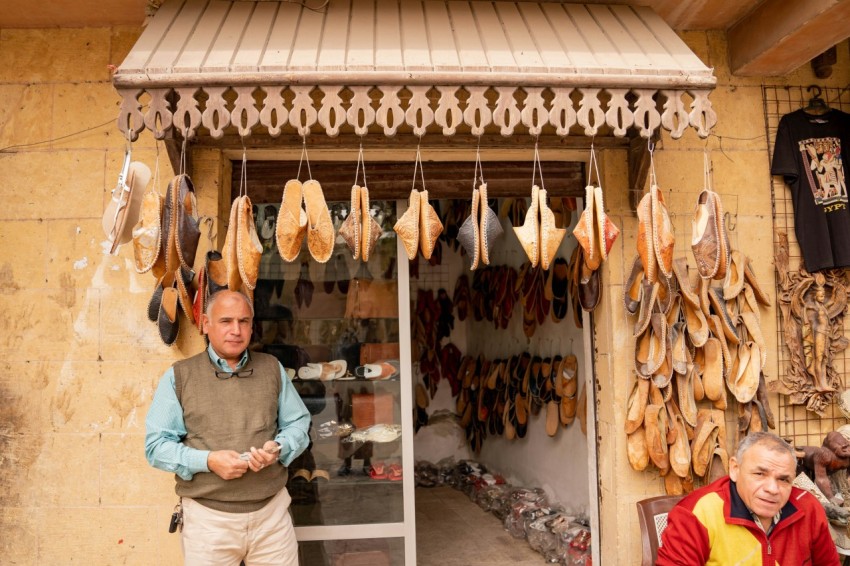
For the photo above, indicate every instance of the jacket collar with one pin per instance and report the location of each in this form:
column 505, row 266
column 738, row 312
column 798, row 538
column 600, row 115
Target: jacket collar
column 739, row 509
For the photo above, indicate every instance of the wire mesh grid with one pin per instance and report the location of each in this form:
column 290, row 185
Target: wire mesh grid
column 795, row 423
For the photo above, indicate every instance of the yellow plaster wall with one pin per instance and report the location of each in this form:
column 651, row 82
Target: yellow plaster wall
column 739, row 154
column 79, row 358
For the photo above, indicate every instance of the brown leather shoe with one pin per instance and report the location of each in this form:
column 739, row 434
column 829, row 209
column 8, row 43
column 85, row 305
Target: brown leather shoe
column 249, row 250
column 350, row 228
column 632, row 295
column 187, row 222
column 705, row 238
column 662, row 232
column 320, row 228
column 407, row 227
column 586, row 231
column 589, row 289
column 291, row 224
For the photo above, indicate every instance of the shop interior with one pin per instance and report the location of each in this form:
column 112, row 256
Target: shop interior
column 497, row 363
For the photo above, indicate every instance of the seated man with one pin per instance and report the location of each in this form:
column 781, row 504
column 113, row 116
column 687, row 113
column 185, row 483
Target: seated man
column 752, row 516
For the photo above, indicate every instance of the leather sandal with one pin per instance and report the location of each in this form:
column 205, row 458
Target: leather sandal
column 320, row 230
column 187, row 222
column 529, row 233
column 350, row 227
column 468, row 234
column 249, row 250
column 407, row 227
column 550, row 235
column 291, row 224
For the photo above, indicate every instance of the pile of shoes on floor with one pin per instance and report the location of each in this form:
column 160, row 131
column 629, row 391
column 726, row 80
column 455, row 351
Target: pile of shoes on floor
column 694, row 341
column 557, row 533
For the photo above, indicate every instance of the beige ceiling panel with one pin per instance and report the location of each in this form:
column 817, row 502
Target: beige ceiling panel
column 255, row 38
column 198, row 45
column 281, row 39
column 227, row 40
column 444, row 51
column 388, row 36
column 470, row 50
column 361, row 43
column 499, row 53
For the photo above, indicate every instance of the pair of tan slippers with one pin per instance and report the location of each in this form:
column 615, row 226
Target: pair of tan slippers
column 595, row 232
column 480, row 229
column 242, row 248
column 538, row 235
column 360, row 230
column 419, row 226
column 304, row 213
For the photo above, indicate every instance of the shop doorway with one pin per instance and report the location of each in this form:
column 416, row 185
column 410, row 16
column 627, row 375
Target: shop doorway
column 560, row 466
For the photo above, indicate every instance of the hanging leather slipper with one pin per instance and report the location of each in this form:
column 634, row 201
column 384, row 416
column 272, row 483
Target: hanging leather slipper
column 407, row 227
column 656, row 435
column 490, row 229
column 632, row 289
column 550, row 235
column 696, row 324
column 569, row 387
column 743, row 379
column 662, row 232
column 702, row 447
column 249, row 250
column 122, row 212
column 529, row 233
column 147, row 234
column 188, row 221
column 168, row 322
column 216, row 273
column 723, row 239
column 636, row 408
column 733, row 284
column 657, row 344
column 608, row 232
column 552, row 418
column 680, row 270
column 320, row 228
column 645, row 239
column 589, row 289
column 712, row 372
column 350, row 228
column 559, row 288
column 680, row 450
column 229, row 250
column 155, row 302
column 584, row 231
column 291, row 226
column 184, row 292
column 718, row 304
column 750, row 278
column 370, row 229
column 705, row 238
column 430, row 226
column 169, row 225
column 685, row 389
column 636, row 449
column 468, row 235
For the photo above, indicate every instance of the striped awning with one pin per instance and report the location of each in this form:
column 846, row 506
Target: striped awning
column 410, row 65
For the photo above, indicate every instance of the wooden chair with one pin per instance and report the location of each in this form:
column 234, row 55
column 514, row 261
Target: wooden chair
column 652, row 514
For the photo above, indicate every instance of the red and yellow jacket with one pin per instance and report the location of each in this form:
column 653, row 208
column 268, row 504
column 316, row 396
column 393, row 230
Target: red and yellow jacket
column 712, row 526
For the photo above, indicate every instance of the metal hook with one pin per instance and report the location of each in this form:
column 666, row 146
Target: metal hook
column 727, row 218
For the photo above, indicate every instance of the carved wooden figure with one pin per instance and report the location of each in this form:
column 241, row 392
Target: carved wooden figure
column 822, row 461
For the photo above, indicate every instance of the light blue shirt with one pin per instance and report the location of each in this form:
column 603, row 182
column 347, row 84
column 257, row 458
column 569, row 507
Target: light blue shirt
column 165, row 428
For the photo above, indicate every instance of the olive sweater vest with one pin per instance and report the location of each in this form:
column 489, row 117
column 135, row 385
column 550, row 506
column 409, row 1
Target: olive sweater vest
column 230, row 414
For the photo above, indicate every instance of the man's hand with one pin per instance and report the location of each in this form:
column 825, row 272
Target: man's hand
column 264, row 457
column 226, row 464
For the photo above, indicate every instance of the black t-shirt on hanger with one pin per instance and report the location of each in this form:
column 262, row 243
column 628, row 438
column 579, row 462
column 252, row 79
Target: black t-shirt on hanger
column 811, row 154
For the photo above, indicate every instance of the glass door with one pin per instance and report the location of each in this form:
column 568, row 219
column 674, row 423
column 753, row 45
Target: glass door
column 337, row 329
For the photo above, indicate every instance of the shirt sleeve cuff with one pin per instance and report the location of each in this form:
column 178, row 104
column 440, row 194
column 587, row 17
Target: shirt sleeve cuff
column 198, row 461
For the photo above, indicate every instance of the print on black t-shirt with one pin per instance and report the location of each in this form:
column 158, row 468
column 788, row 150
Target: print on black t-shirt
column 825, row 172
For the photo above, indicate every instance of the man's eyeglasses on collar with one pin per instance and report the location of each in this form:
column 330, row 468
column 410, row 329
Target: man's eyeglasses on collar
column 228, row 374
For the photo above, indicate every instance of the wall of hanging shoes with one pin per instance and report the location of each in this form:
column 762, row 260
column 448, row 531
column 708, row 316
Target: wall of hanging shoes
column 795, row 422
column 700, row 353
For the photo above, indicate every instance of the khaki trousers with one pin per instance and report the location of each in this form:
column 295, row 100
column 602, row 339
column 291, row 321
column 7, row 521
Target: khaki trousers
column 260, row 538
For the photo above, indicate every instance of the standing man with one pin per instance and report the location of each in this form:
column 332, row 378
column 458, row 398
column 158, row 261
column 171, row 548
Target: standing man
column 209, row 415
column 753, row 516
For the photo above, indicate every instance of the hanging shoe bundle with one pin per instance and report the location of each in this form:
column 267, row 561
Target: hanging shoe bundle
column 242, row 249
column 180, row 235
column 538, row 235
column 419, row 227
column 360, row 230
column 478, row 232
column 304, row 213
